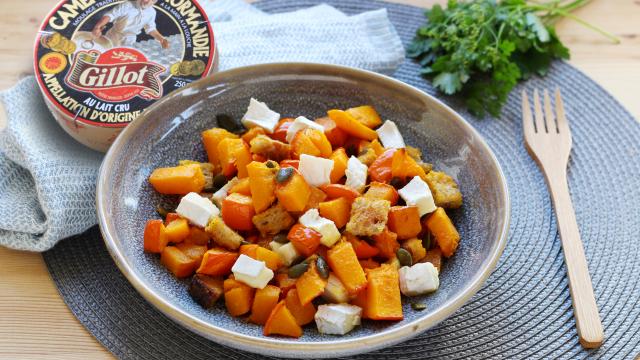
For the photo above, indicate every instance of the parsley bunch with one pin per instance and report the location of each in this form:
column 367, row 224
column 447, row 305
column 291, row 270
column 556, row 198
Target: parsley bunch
column 482, row 48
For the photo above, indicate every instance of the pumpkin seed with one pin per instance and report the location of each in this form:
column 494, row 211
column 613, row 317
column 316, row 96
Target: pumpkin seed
column 230, row 124
column 281, row 238
column 270, row 164
column 162, row 211
column 323, row 267
column 284, row 175
column 396, row 182
column 427, row 240
column 219, row 181
column 418, row 306
column 297, row 270
column 404, row 257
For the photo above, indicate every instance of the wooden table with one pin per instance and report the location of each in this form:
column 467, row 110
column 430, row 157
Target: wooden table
column 35, row 322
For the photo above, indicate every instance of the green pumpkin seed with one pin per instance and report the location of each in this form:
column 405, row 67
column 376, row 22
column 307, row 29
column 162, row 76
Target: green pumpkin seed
column 284, row 175
column 270, row 164
column 396, row 182
column 323, row 267
column 404, row 257
column 427, row 241
column 162, row 211
column 418, row 306
column 230, row 123
column 297, row 270
column 219, row 181
column 281, row 238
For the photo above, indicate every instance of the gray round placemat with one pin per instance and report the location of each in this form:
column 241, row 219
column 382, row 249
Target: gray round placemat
column 524, row 309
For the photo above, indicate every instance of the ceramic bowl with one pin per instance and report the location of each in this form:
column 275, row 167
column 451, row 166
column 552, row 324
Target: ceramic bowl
column 170, row 131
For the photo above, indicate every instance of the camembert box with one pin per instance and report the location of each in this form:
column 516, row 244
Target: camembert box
column 99, row 64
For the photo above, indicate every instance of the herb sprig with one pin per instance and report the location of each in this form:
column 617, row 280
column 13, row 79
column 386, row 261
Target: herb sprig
column 480, row 49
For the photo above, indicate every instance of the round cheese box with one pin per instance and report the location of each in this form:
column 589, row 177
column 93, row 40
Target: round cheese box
column 99, row 64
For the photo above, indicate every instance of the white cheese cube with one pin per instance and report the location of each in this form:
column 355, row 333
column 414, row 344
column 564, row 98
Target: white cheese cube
column 252, row 272
column 274, row 245
column 315, row 170
column 356, row 174
column 417, row 193
column 390, row 136
column 197, row 209
column 301, row 123
column 288, row 253
column 326, row 227
column 222, row 193
column 337, row 319
column 259, row 115
column 418, row 279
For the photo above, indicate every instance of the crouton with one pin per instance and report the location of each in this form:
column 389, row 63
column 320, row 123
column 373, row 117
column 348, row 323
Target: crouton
column 414, row 153
column 269, row 148
column 444, row 189
column 368, row 216
column 222, row 234
column 368, row 156
column 273, row 220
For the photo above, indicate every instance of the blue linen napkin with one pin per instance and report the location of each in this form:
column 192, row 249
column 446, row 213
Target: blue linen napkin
column 47, row 179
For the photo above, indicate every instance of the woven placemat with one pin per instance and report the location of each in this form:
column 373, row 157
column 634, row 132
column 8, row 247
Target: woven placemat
column 524, row 309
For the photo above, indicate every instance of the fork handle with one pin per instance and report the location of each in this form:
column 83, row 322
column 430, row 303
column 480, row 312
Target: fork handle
column 585, row 309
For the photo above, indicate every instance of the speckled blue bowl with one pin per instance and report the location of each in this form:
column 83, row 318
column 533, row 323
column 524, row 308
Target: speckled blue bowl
column 170, row 131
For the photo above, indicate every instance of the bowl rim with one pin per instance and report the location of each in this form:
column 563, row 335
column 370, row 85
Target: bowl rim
column 280, row 346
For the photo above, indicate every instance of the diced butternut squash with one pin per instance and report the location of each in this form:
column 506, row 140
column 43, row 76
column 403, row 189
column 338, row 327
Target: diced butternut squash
column 383, row 294
column 304, row 239
column 170, row 217
column 380, row 170
column 280, row 132
column 294, row 194
column 335, row 191
column 414, row 246
column 262, row 180
column 252, row 133
column 310, row 285
column 311, row 142
column 366, row 115
column 444, row 232
column 177, row 230
column 211, row 138
column 404, row 221
column 264, row 301
column 434, row 256
column 282, row 322
column 177, row 262
column 193, row 251
column 335, row 135
column 241, row 187
column 387, row 243
column 360, row 300
column 302, row 313
column 351, row 126
column 362, row 248
column 249, row 249
column 340, row 159
column 382, row 191
column 238, row 211
column 285, row 283
column 377, row 147
column 155, row 236
column 344, row 263
column 317, row 196
column 178, row 180
column 271, row 259
column 234, row 154
column 217, row 262
column 337, row 210
column 404, row 166
column 197, row 236
column 238, row 297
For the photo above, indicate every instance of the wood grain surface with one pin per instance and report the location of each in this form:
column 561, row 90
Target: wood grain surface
column 34, row 321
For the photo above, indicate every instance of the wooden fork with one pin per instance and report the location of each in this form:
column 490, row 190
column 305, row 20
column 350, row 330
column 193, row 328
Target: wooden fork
column 548, row 141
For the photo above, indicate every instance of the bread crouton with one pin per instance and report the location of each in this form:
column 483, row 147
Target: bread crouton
column 368, row 157
column 368, row 216
column 444, row 189
column 269, row 148
column 222, row 234
column 414, row 153
column 273, row 220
